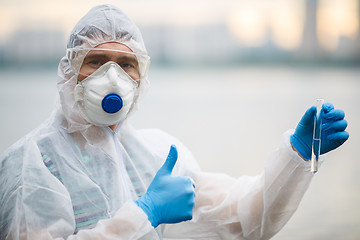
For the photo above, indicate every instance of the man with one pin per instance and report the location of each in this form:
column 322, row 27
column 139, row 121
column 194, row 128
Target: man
column 87, row 174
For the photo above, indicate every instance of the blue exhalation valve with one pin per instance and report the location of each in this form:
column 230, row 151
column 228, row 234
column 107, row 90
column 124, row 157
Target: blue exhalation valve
column 112, row 103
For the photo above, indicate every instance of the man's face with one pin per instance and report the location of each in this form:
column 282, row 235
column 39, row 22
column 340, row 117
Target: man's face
column 96, row 58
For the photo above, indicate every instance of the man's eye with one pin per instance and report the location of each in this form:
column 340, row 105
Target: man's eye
column 95, row 63
column 126, row 65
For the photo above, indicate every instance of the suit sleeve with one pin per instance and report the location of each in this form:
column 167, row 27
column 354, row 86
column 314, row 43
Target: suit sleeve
column 249, row 207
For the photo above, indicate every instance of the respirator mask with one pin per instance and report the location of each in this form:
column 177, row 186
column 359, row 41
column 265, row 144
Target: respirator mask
column 106, row 96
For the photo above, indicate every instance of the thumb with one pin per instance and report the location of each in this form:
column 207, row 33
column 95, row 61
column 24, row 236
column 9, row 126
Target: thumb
column 308, row 117
column 170, row 160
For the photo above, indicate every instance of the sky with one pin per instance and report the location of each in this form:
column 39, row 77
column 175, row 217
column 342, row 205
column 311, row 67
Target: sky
column 248, row 21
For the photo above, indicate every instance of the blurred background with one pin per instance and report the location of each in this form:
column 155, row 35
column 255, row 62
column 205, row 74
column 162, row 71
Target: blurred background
column 228, row 79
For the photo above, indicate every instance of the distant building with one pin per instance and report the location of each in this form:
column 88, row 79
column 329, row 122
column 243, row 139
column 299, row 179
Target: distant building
column 310, row 47
column 35, row 46
column 198, row 44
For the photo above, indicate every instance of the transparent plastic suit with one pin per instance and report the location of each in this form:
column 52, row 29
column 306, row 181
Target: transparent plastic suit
column 68, row 179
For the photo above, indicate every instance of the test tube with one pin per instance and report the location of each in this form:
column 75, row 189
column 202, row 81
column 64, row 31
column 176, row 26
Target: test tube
column 316, row 143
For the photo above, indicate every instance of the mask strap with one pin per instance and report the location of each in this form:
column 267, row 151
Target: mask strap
column 82, row 74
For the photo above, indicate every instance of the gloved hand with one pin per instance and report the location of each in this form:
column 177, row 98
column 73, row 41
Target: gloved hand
column 333, row 132
column 168, row 199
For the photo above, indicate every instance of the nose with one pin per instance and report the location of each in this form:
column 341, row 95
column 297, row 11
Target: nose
column 112, row 73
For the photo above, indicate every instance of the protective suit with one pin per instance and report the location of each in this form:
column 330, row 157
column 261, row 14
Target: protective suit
column 69, row 179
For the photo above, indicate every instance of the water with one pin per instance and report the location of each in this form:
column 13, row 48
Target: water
column 231, row 119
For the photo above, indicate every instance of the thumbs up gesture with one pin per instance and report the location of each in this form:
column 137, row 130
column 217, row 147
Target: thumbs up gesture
column 168, row 199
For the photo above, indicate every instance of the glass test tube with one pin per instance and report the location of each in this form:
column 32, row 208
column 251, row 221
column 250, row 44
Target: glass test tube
column 316, row 143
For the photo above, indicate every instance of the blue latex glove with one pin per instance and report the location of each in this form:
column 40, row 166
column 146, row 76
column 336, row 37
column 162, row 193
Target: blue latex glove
column 333, row 132
column 168, row 199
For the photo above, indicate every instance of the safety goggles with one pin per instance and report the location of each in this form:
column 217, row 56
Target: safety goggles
column 96, row 57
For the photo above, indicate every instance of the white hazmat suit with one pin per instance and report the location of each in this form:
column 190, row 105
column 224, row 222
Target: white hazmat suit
column 69, row 179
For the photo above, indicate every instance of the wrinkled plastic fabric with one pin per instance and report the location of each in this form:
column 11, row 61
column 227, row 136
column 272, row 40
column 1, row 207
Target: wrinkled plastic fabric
column 102, row 24
column 68, row 179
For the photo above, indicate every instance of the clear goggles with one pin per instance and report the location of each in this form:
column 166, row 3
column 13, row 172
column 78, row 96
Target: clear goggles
column 93, row 58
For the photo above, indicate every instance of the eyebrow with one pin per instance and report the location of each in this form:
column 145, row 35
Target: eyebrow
column 95, row 55
column 129, row 57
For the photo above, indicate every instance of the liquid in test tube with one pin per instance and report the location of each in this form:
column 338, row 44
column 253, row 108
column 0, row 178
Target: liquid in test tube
column 316, row 144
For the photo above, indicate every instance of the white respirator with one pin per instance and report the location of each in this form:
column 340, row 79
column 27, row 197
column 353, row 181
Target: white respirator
column 106, row 96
